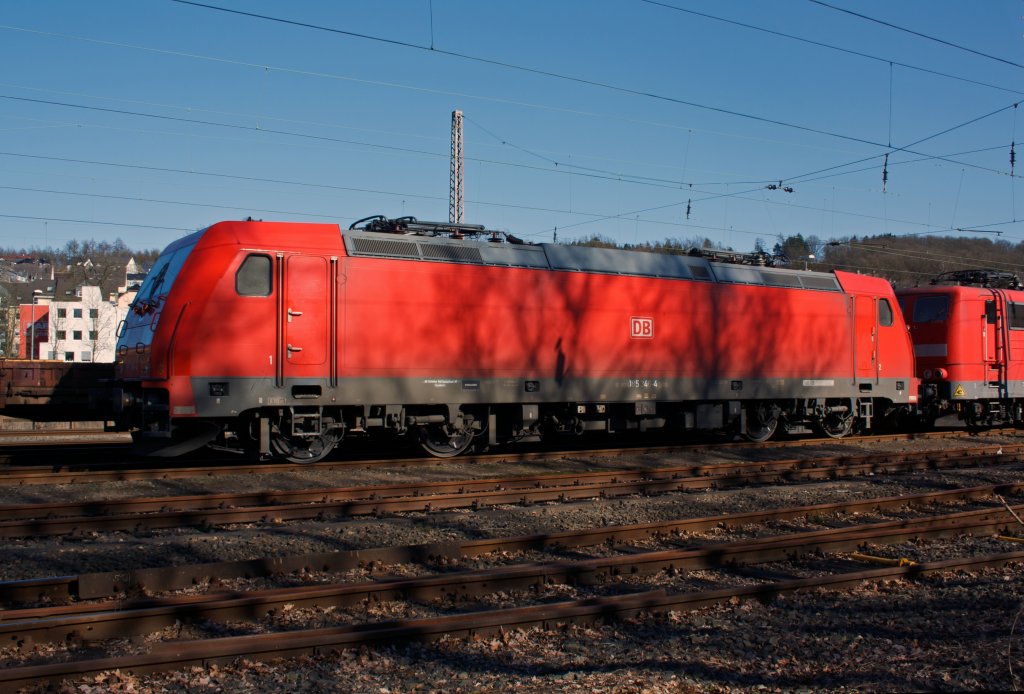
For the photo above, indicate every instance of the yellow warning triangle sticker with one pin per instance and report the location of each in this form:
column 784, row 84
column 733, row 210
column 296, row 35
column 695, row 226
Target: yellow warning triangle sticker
column 959, row 392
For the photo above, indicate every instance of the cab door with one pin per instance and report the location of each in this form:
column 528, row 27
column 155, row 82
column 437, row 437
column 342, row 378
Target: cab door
column 305, row 315
column 1008, row 368
column 865, row 336
column 993, row 344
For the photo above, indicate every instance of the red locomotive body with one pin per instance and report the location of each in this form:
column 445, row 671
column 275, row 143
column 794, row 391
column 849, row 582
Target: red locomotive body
column 969, row 344
column 282, row 338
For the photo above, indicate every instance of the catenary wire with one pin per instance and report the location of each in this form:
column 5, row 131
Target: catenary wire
column 371, row 145
column 673, row 182
column 394, row 148
column 535, row 71
column 547, row 73
column 917, row 33
column 394, row 85
column 829, row 46
column 597, row 217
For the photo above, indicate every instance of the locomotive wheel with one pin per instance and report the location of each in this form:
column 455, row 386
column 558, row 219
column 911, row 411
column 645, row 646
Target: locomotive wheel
column 303, row 450
column 761, row 424
column 440, row 443
column 835, row 426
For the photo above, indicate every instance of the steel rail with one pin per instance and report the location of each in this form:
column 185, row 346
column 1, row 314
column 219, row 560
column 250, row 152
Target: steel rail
column 120, row 619
column 105, row 584
column 76, row 474
column 132, row 522
column 78, row 619
column 7, row 435
column 203, row 652
column 20, row 446
column 1006, row 454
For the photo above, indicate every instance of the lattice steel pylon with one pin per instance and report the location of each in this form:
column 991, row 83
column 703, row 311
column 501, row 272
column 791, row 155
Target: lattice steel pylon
column 456, row 202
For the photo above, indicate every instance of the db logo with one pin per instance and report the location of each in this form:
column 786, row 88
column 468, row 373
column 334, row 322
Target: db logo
column 642, row 328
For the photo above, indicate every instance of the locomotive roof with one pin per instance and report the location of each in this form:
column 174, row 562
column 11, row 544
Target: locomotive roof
column 547, row 256
column 428, row 247
column 958, row 290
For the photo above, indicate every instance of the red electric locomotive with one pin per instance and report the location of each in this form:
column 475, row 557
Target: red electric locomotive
column 280, row 339
column 968, row 335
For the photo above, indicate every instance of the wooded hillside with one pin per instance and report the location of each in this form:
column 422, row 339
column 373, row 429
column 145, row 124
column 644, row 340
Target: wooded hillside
column 73, row 252
column 915, row 260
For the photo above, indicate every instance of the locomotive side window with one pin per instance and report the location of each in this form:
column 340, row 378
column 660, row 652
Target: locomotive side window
column 931, row 309
column 254, row 276
column 885, row 317
column 1015, row 316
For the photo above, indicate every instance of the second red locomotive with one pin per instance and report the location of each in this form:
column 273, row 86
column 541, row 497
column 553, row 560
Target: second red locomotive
column 281, row 339
column 968, row 333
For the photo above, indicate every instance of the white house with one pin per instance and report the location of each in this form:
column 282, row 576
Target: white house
column 84, row 330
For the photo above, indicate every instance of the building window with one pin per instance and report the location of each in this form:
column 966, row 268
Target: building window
column 94, row 313
column 62, row 334
column 76, row 334
column 78, row 313
column 69, row 356
column 86, row 356
column 94, row 334
column 62, row 313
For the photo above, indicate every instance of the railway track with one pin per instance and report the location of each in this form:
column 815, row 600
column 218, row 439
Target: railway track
column 272, row 646
column 98, row 621
column 90, row 621
column 136, row 514
column 105, row 585
column 124, row 468
column 9, row 435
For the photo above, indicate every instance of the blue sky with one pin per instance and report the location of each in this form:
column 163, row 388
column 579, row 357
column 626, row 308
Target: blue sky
column 147, row 119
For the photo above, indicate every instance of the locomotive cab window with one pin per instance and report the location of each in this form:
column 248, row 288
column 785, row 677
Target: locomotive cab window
column 885, row 316
column 931, row 309
column 254, row 276
column 1015, row 316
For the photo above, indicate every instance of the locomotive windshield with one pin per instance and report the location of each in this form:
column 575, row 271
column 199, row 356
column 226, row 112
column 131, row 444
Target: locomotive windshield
column 931, row 309
column 145, row 308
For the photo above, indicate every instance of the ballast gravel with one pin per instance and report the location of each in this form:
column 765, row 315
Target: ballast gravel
column 952, row 631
